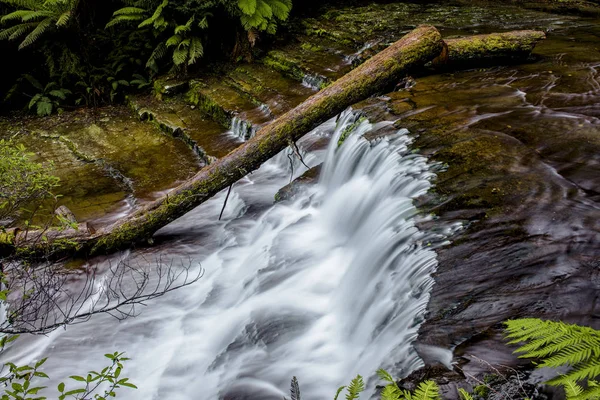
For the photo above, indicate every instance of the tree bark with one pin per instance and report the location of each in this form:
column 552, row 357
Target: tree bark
column 491, row 49
column 381, row 71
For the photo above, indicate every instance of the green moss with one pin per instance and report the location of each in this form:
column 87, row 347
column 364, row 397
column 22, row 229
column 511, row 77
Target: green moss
column 285, row 65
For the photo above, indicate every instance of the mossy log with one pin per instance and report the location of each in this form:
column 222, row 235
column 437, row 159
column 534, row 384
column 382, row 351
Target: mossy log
column 414, row 50
column 491, row 49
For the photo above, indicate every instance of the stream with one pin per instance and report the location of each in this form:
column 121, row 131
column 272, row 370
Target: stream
column 461, row 201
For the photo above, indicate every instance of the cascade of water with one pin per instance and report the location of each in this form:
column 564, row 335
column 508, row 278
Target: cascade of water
column 313, row 81
column 242, row 129
column 332, row 284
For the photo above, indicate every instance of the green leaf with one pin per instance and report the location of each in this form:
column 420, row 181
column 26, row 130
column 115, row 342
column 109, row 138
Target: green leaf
column 44, row 106
column 40, row 363
column 248, row 7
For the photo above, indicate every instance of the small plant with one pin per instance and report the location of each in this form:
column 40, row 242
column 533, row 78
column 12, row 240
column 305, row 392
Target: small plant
column 22, row 181
column 21, row 384
column 557, row 344
column 49, row 97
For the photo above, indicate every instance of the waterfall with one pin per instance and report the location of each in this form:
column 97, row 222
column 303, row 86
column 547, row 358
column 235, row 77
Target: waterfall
column 313, row 81
column 242, row 129
column 329, row 285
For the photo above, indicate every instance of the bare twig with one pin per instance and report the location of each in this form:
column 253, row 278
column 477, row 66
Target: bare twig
column 44, row 298
column 225, row 202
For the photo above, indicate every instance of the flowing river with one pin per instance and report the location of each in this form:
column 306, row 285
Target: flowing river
column 323, row 287
column 335, row 280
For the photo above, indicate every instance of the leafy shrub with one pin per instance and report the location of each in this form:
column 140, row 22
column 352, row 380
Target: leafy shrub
column 21, row 384
column 22, row 181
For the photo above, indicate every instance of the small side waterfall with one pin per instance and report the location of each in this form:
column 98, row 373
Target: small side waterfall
column 242, row 129
column 313, row 81
column 332, row 284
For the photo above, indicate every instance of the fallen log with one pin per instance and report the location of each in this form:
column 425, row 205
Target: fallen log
column 414, row 50
column 490, row 49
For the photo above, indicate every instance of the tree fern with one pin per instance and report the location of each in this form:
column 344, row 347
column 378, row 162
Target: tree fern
column 464, row 395
column 34, row 18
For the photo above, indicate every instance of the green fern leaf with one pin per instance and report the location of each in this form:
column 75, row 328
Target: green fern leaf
column 157, row 14
column 173, row 40
column 390, row 392
column 572, row 389
column 24, row 15
column 558, row 344
column 384, row 375
column 281, row 8
column 356, row 387
column 196, row 50
column 17, row 30
column 40, row 29
column 464, row 395
column 64, row 19
column 180, row 56
column 129, row 11
column 427, row 390
column 248, row 7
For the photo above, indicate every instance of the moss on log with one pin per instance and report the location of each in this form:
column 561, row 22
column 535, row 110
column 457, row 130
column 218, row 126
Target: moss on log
column 414, row 50
column 472, row 51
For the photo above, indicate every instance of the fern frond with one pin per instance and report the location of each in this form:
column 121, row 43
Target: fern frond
column 64, row 19
column 39, row 30
column 339, row 391
column 196, row 50
column 120, row 19
column 25, row 15
column 129, row 11
column 591, row 393
column 184, row 28
column 281, row 8
column 157, row 14
column 390, row 392
column 173, row 40
column 160, row 51
column 572, row 389
column 464, row 395
column 384, row 375
column 248, row 7
column 15, row 31
column 356, row 387
column 427, row 390
column 295, row 389
column 180, row 56
column 558, row 344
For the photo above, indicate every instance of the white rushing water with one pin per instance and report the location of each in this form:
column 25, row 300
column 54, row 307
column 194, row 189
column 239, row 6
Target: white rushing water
column 241, row 129
column 327, row 285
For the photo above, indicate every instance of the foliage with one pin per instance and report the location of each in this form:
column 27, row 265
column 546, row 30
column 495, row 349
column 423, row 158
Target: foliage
column 35, row 18
column 22, row 181
column 464, row 395
column 48, row 98
column 79, row 62
column 427, row 390
column 21, row 384
column 558, row 344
